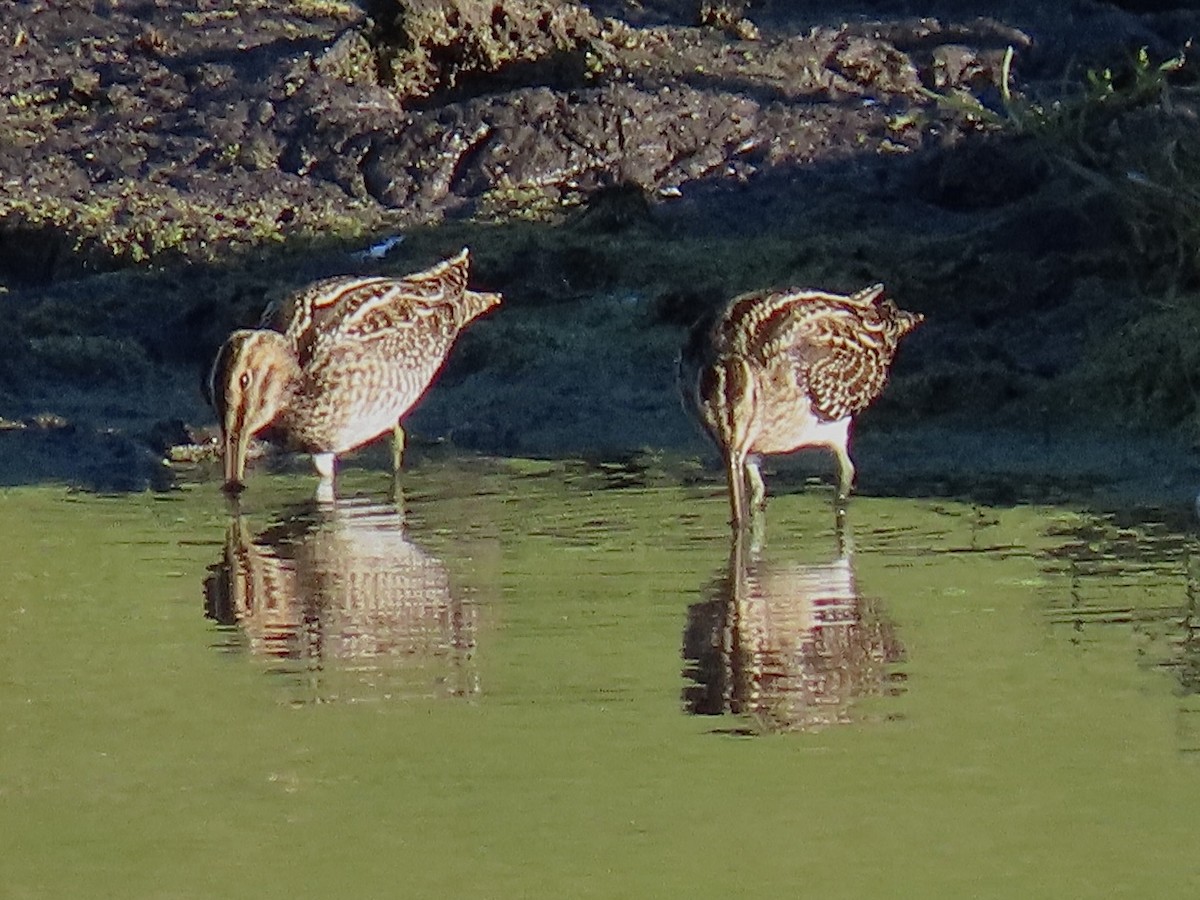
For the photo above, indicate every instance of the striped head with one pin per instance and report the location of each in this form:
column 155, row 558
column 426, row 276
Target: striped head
column 698, row 368
column 893, row 322
column 474, row 304
column 253, row 379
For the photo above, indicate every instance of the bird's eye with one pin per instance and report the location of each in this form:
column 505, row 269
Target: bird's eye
column 244, row 380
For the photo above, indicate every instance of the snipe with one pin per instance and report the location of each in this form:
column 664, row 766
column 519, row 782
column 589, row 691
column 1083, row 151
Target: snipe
column 339, row 363
column 778, row 370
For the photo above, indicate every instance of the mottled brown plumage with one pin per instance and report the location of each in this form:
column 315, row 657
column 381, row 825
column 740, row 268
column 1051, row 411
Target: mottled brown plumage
column 338, row 363
column 778, row 370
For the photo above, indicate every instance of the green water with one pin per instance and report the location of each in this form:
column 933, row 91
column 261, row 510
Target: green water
column 492, row 701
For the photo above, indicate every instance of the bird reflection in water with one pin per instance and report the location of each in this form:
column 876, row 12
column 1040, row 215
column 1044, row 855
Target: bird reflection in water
column 337, row 593
column 790, row 647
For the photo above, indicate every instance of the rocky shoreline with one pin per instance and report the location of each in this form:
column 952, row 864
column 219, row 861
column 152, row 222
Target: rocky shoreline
column 616, row 168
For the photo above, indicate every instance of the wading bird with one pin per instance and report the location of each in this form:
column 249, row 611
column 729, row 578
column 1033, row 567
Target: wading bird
column 339, row 363
column 778, row 370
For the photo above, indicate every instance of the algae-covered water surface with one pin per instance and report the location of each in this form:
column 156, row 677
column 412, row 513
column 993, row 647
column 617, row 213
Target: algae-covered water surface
column 546, row 680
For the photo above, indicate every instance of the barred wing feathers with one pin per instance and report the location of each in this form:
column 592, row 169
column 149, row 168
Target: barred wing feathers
column 334, row 312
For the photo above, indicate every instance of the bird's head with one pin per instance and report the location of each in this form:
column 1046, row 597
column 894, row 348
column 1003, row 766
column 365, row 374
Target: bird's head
column 904, row 322
column 253, row 378
column 898, row 322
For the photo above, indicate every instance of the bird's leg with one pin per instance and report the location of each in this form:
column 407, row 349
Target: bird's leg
column 845, row 538
column 325, row 493
column 758, row 490
column 398, row 442
column 324, row 464
column 845, row 479
column 735, row 471
column 757, row 530
column 757, row 501
column 396, row 494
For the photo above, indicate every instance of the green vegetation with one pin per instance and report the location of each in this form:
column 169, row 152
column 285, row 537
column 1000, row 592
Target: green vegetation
column 91, row 359
column 312, row 9
column 1133, row 137
column 1128, row 137
column 728, row 16
column 1130, row 133
column 679, row 274
column 136, row 224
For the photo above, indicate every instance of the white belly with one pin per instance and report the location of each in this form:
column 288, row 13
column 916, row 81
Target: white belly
column 780, row 431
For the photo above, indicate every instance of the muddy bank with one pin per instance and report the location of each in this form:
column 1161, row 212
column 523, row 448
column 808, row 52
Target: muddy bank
column 616, row 168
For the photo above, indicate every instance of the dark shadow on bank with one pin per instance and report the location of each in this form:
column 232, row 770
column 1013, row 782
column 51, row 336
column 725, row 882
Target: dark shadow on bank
column 48, row 450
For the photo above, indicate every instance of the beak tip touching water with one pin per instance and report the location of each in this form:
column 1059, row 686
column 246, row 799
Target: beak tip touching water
column 234, row 459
